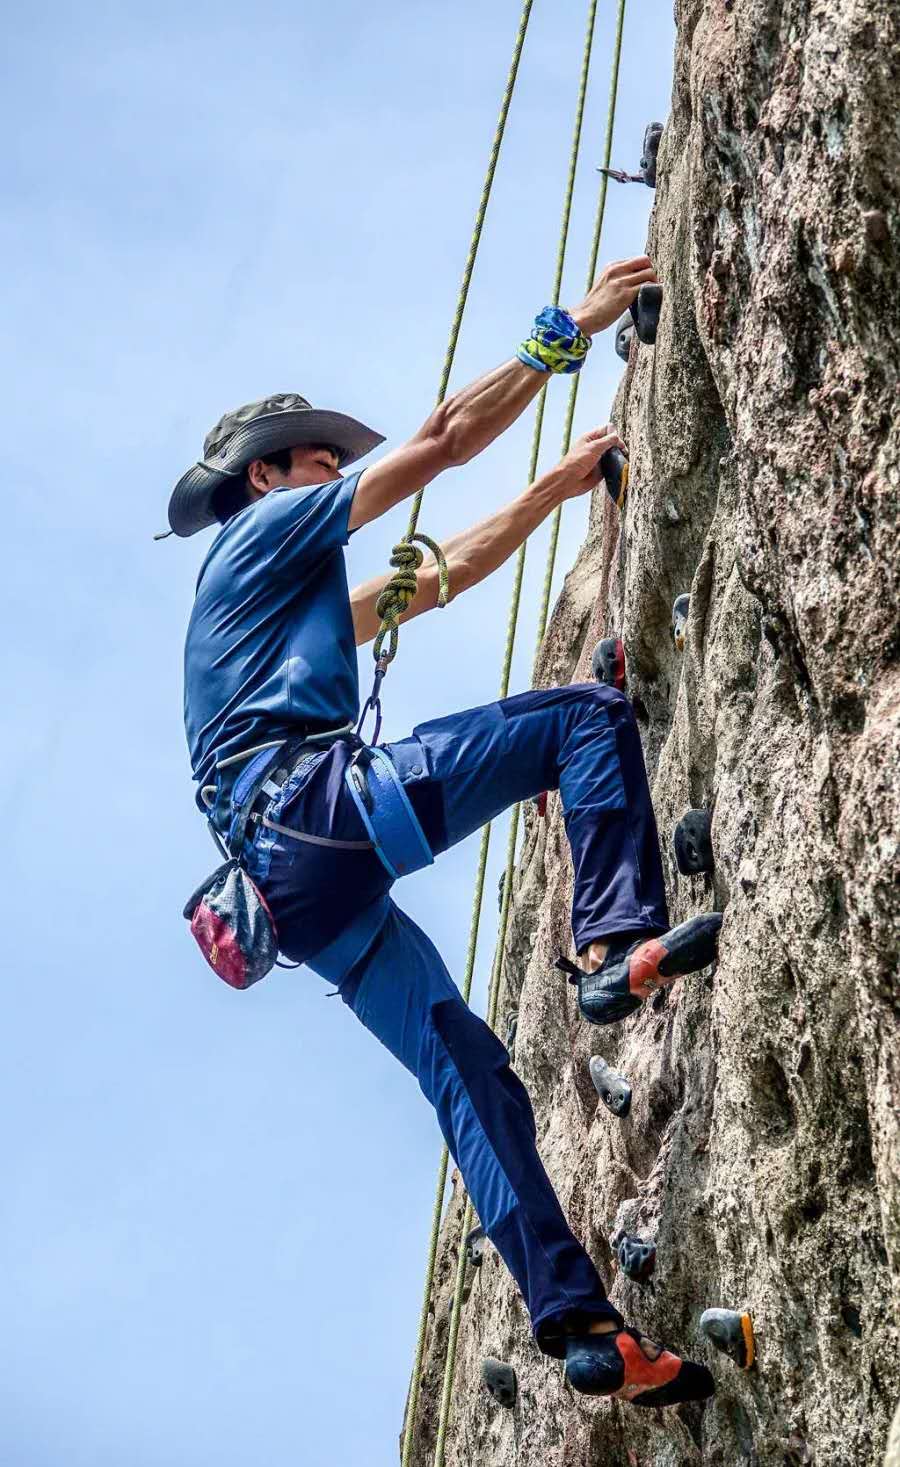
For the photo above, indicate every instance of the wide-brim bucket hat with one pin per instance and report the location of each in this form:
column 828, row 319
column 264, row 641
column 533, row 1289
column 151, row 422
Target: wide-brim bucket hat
column 286, row 420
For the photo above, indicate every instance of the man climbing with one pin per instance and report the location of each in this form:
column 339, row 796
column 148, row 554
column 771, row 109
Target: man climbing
column 271, row 696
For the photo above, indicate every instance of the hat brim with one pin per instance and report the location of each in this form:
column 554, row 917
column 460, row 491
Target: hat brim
column 189, row 507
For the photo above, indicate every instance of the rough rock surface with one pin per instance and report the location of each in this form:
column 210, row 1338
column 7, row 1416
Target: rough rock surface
column 762, row 1151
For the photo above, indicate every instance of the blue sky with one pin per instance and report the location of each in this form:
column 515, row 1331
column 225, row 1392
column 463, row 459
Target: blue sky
column 214, row 1206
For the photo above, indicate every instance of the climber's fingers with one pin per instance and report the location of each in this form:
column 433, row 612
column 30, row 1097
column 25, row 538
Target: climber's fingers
column 612, row 292
column 580, row 469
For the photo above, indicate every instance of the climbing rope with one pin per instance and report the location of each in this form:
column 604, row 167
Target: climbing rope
column 389, row 628
column 396, row 596
column 497, row 966
column 518, row 45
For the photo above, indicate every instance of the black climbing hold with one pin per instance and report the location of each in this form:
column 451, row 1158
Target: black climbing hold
column 731, row 1332
column 608, row 662
column 624, row 333
column 475, row 1241
column 500, row 1380
column 652, row 136
column 637, row 1259
column 679, row 619
column 693, row 843
column 645, row 312
column 613, row 1089
column 852, row 1319
column 512, row 1024
column 614, row 468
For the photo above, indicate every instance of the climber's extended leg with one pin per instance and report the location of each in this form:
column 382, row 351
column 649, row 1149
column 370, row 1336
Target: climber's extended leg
column 465, row 769
column 582, row 739
column 402, row 992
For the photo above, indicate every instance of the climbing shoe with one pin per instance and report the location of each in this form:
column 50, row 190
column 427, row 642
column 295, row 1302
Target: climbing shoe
column 540, row 804
column 500, row 1380
column 731, row 1332
column 632, row 1368
column 645, row 312
column 624, row 333
column 632, row 972
column 608, row 662
column 652, row 135
column 637, row 1259
column 679, row 620
column 614, row 468
column 693, row 843
column 613, row 1089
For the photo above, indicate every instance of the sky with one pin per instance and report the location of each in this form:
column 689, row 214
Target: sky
column 215, row 1205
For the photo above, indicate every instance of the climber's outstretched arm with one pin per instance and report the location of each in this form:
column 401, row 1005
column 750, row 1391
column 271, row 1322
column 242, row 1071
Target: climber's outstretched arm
column 476, row 552
column 464, row 424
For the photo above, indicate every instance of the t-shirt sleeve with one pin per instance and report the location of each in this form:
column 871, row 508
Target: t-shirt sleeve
column 299, row 528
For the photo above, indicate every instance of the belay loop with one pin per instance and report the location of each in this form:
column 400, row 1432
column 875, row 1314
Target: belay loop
column 393, row 600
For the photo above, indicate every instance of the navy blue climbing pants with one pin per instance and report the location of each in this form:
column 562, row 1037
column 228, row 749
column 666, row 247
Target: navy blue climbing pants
column 332, row 910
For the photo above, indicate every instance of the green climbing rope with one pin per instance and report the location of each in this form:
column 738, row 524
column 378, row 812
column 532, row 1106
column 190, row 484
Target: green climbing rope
column 394, row 598
column 497, row 966
column 386, row 628
column 518, row 45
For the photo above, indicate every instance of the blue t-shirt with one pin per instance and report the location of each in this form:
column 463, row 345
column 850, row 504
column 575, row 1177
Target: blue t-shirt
column 270, row 642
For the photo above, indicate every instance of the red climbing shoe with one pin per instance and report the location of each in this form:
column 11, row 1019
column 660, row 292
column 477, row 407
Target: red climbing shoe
column 632, row 1368
column 631, row 973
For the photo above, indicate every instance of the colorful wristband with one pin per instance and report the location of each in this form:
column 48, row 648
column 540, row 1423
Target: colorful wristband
column 556, row 344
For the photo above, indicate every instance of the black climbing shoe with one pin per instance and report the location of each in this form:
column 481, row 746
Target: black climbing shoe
column 732, row 1333
column 500, row 1380
column 624, row 333
column 608, row 662
column 680, row 611
column 633, row 1368
column 637, row 1259
column 631, row 973
column 652, row 135
column 693, row 843
column 614, row 468
column 645, row 312
column 613, row 1089
column 540, row 804
column 474, row 1245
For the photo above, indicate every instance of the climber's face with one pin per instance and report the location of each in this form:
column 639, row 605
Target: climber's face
column 311, row 464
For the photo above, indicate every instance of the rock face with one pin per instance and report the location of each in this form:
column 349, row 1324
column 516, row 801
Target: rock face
column 761, row 1153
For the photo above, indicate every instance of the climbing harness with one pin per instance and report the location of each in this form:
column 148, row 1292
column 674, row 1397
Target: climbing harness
column 386, row 812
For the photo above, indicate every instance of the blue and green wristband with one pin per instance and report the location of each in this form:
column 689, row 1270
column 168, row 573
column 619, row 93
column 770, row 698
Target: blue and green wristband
column 556, row 343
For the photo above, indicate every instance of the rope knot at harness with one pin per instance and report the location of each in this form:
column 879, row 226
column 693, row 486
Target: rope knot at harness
column 394, row 599
column 397, row 595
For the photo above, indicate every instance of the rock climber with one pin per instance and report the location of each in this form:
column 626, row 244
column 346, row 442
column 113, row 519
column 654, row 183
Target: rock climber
column 271, row 692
